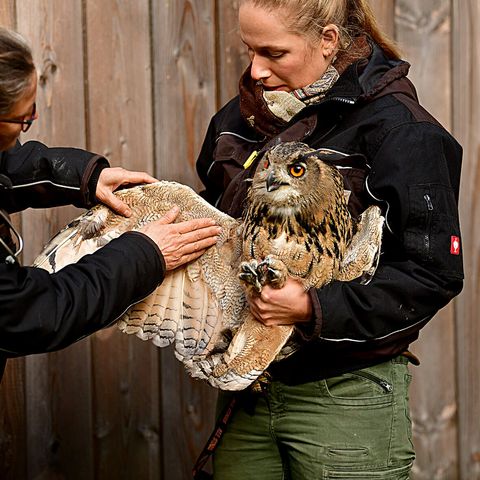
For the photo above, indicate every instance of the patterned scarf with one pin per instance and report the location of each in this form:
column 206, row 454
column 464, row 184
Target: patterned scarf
column 286, row 105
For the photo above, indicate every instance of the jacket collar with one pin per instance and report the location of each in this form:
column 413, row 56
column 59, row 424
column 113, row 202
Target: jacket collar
column 367, row 77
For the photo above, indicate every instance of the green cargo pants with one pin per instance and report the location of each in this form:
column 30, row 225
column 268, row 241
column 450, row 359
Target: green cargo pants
column 354, row 426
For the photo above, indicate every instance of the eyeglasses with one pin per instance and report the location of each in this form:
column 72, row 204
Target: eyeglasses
column 26, row 124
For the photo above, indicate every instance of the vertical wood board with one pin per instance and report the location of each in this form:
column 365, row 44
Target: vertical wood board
column 466, row 126
column 232, row 53
column 384, row 11
column 423, row 31
column 7, row 14
column 55, row 386
column 119, row 106
column 183, row 52
column 13, row 446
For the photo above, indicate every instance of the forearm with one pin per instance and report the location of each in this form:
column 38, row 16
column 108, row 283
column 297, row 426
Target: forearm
column 44, row 312
column 44, row 177
column 399, row 300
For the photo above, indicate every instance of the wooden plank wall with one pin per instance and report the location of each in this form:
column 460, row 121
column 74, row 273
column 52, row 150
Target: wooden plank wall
column 138, row 81
column 423, row 30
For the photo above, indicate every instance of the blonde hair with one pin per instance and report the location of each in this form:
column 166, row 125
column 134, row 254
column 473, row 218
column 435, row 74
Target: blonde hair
column 16, row 68
column 352, row 18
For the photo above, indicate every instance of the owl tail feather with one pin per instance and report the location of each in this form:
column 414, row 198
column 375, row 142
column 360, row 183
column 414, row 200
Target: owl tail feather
column 252, row 349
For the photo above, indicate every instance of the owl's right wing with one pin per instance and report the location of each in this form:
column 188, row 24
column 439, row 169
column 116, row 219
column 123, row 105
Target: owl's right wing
column 197, row 307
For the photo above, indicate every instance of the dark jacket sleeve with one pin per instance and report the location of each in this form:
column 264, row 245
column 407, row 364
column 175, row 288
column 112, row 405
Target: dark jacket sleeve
column 40, row 177
column 204, row 163
column 415, row 176
column 42, row 312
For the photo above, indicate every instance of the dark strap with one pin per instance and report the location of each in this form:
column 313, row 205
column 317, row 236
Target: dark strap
column 212, row 443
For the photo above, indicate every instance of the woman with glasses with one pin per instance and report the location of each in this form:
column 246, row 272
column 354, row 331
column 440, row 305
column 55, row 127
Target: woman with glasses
column 40, row 312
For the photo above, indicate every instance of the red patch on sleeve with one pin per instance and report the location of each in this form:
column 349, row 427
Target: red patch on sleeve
column 455, row 245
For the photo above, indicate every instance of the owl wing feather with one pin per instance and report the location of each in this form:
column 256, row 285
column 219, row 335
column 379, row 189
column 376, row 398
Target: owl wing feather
column 363, row 252
column 197, row 307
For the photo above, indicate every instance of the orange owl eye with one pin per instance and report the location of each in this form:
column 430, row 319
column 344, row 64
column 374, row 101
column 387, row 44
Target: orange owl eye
column 266, row 163
column 297, row 170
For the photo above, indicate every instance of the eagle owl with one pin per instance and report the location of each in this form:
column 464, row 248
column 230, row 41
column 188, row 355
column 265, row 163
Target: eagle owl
column 296, row 224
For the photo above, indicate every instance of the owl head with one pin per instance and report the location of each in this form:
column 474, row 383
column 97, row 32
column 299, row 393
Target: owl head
column 292, row 178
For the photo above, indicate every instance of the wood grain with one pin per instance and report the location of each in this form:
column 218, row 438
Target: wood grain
column 423, row 32
column 55, row 386
column 184, row 84
column 466, row 127
column 13, row 429
column 119, row 112
column 232, row 53
column 7, row 14
column 385, row 13
column 138, row 80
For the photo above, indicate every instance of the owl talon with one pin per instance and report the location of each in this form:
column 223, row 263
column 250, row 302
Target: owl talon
column 249, row 274
column 272, row 271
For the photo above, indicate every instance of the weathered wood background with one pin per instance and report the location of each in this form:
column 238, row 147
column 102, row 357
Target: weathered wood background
column 138, row 80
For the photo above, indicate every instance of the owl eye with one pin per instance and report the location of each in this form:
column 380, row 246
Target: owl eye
column 266, row 163
column 297, row 170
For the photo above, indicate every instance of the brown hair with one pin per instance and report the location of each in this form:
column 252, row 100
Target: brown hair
column 352, row 17
column 16, row 68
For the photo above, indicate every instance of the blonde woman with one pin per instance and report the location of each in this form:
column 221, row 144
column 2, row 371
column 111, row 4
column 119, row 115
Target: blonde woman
column 323, row 73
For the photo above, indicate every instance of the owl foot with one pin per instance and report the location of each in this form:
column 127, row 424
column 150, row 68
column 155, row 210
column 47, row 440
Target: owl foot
column 272, row 271
column 249, row 275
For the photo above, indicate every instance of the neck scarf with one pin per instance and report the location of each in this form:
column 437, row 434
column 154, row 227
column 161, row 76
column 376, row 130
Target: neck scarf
column 285, row 105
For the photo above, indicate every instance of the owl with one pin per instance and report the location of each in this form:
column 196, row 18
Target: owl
column 296, row 223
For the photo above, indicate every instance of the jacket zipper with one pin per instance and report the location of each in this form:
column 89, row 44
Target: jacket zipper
column 349, row 101
column 386, row 386
column 426, row 237
column 428, row 201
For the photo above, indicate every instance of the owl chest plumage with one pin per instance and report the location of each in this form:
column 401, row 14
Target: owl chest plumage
column 311, row 247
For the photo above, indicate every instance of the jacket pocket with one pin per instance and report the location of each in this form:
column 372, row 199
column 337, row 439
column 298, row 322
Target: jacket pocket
column 432, row 234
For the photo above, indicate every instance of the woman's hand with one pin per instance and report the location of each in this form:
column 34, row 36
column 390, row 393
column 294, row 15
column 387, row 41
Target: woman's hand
column 181, row 242
column 288, row 305
column 110, row 179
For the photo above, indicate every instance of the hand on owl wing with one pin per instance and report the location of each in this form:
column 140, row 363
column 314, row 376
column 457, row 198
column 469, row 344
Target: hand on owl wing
column 274, row 306
column 112, row 178
column 181, row 242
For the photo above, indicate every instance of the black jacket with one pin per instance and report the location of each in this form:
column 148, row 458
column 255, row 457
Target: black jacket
column 42, row 312
column 393, row 154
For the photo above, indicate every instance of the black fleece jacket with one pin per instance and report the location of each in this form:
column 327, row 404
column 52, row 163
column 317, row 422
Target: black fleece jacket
column 42, row 312
column 392, row 153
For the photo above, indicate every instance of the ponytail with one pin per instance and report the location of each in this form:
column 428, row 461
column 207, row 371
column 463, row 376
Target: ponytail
column 361, row 20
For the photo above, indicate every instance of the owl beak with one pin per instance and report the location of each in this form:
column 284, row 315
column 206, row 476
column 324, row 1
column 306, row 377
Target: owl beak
column 272, row 182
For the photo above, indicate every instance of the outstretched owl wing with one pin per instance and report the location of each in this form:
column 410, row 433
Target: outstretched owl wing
column 197, row 307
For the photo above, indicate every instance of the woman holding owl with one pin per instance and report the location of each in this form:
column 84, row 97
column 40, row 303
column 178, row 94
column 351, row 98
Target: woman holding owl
column 323, row 73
